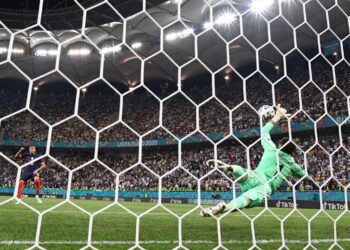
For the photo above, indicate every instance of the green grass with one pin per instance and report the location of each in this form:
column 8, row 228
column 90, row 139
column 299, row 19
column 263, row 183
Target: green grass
column 66, row 227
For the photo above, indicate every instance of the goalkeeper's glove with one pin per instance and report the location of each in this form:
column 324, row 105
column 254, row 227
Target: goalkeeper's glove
column 280, row 113
column 221, row 165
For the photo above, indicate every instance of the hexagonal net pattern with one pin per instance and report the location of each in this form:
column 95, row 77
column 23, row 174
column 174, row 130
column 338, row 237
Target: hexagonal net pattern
column 127, row 104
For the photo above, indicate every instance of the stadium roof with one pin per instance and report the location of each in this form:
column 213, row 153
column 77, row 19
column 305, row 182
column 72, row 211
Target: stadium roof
column 35, row 49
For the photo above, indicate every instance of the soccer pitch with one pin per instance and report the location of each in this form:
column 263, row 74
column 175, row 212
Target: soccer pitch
column 66, row 227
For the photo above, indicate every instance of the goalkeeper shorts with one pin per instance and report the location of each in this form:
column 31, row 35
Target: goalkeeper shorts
column 259, row 192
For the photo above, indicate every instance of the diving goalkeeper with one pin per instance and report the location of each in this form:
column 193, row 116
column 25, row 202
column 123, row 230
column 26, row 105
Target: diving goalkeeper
column 257, row 185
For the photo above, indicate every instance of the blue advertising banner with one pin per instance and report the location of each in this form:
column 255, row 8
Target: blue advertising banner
column 254, row 132
column 300, row 196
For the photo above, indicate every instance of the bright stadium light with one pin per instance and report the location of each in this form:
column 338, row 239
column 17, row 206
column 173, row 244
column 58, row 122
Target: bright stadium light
column 181, row 34
column 44, row 52
column 225, row 18
column 4, row 50
column 36, row 88
column 186, row 32
column 40, row 52
column 18, row 51
column 52, row 52
column 136, row 45
column 175, row 1
column 171, row 36
column 259, row 6
column 111, row 49
column 84, row 90
column 207, row 25
column 79, row 52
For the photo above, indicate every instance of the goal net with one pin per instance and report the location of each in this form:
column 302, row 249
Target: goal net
column 124, row 102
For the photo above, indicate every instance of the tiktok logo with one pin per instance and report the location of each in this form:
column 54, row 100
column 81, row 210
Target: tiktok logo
column 278, row 204
column 325, row 205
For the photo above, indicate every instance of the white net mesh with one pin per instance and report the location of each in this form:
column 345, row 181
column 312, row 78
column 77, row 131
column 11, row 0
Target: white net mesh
column 134, row 98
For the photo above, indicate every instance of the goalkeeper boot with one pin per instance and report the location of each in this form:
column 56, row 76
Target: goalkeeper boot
column 38, row 200
column 218, row 209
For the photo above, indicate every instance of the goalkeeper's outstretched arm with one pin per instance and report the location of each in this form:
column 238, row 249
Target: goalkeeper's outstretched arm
column 266, row 141
column 290, row 168
column 280, row 113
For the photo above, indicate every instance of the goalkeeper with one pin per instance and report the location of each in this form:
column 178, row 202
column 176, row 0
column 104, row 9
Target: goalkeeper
column 257, row 185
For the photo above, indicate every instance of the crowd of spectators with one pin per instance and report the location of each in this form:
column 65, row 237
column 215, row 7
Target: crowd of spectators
column 141, row 112
column 164, row 163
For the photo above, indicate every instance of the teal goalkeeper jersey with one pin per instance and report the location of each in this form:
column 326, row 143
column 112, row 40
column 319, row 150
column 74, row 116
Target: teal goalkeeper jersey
column 267, row 164
column 267, row 167
column 290, row 168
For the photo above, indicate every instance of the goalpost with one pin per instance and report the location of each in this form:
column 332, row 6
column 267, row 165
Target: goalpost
column 314, row 32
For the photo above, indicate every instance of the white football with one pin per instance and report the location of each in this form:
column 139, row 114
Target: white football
column 266, row 111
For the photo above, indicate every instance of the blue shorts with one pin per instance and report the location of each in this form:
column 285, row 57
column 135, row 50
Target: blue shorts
column 28, row 175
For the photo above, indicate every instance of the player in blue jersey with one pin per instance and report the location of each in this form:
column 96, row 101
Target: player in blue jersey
column 31, row 171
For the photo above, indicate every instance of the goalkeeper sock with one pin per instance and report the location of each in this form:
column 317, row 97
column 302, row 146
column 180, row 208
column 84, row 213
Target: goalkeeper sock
column 239, row 203
column 20, row 189
column 37, row 185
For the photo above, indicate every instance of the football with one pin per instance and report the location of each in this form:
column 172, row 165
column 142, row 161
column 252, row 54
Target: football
column 266, row 111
